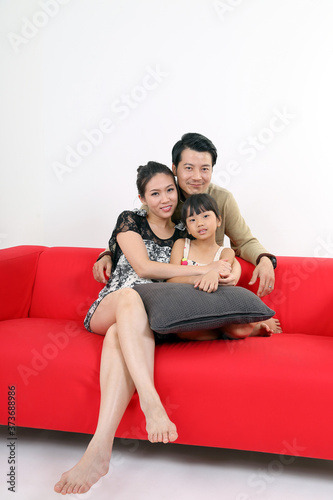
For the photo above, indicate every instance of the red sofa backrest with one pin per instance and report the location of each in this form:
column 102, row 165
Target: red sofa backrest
column 64, row 285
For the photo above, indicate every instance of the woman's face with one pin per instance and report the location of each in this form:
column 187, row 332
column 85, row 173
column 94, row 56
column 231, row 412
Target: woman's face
column 161, row 196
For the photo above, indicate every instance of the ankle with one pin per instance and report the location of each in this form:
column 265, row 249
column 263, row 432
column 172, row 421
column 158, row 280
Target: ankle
column 150, row 402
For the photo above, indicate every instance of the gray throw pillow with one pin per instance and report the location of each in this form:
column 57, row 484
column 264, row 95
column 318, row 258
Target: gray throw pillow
column 179, row 307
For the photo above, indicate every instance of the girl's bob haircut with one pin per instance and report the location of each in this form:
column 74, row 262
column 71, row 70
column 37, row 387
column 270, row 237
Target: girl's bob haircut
column 198, row 203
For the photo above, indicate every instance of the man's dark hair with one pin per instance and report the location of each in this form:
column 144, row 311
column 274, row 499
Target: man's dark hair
column 198, row 203
column 196, row 142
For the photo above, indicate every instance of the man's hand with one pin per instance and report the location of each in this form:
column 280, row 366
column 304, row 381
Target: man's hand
column 101, row 266
column 265, row 272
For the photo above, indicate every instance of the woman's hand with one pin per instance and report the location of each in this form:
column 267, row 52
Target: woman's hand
column 101, row 266
column 209, row 282
column 230, row 280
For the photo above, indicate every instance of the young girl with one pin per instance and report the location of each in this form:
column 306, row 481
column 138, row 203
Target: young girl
column 143, row 245
column 201, row 216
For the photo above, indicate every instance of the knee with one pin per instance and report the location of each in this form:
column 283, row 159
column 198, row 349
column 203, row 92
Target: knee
column 129, row 297
column 111, row 336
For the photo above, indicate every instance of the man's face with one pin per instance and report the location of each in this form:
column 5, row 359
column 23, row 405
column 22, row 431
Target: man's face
column 194, row 172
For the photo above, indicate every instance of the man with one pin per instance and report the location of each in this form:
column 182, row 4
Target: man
column 193, row 159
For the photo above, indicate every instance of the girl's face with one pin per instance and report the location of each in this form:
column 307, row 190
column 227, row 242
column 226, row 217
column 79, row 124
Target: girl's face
column 203, row 225
column 161, row 196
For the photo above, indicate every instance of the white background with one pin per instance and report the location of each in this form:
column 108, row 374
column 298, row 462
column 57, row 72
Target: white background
column 156, row 69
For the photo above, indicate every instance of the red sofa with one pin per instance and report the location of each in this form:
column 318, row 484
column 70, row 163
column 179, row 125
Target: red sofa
column 262, row 394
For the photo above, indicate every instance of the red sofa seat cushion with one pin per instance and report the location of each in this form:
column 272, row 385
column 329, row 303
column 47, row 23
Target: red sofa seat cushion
column 254, row 394
column 56, row 373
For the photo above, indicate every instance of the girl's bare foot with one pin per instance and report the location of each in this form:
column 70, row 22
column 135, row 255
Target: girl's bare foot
column 274, row 325
column 266, row 328
column 93, row 465
column 262, row 329
column 159, row 427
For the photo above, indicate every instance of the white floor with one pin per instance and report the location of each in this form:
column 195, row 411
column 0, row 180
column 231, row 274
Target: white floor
column 143, row 471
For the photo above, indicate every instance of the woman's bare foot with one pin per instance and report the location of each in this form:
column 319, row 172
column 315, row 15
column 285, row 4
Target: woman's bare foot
column 93, row 465
column 159, row 427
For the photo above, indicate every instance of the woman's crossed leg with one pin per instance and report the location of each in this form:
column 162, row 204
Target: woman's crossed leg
column 127, row 363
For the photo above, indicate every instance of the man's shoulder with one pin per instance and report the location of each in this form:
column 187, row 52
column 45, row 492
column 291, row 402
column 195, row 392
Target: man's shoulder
column 218, row 192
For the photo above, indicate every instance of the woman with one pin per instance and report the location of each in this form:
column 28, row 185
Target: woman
column 143, row 248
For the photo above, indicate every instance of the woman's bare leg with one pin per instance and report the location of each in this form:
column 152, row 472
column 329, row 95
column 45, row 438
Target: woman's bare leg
column 127, row 362
column 138, row 347
column 136, row 338
column 117, row 389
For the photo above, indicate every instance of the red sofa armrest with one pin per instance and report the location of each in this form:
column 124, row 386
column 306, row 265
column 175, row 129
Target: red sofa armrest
column 303, row 293
column 17, row 277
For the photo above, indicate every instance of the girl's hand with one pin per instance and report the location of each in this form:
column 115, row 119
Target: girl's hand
column 208, row 282
column 229, row 280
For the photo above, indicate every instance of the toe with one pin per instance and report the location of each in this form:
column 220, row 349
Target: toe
column 173, row 435
column 152, row 438
column 69, row 489
column 64, row 490
column 83, row 489
column 75, row 489
column 165, row 437
column 159, row 437
column 58, row 487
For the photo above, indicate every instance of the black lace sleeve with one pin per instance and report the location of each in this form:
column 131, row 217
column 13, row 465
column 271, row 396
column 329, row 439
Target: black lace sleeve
column 127, row 221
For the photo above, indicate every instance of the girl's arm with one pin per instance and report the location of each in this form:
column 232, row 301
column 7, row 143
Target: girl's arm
column 210, row 281
column 177, row 253
column 134, row 249
column 228, row 254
